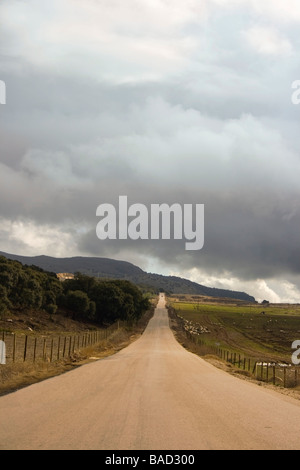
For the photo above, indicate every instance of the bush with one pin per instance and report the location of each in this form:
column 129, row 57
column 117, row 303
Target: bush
column 109, row 300
column 51, row 309
column 77, row 302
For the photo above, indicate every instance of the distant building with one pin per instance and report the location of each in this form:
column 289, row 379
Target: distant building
column 64, row 276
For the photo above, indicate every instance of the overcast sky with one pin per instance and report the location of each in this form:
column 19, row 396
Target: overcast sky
column 162, row 101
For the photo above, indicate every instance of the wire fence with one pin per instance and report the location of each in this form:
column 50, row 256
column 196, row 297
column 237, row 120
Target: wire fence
column 25, row 348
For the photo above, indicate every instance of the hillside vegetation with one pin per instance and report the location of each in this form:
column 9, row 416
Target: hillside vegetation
column 31, row 289
column 116, row 269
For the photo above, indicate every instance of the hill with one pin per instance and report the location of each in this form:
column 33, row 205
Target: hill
column 114, row 269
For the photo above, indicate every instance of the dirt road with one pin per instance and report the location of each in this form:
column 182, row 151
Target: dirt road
column 152, row 395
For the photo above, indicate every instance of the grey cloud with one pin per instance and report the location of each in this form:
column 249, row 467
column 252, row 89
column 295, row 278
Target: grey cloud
column 220, row 131
column 240, row 237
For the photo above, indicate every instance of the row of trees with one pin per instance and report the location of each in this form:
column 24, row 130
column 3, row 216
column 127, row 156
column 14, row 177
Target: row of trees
column 83, row 298
column 104, row 301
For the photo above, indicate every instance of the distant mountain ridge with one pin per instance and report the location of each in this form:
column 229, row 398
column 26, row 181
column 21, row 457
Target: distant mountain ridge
column 110, row 268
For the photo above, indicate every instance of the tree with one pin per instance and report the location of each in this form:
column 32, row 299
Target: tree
column 4, row 302
column 78, row 303
column 139, row 301
column 109, row 300
column 80, row 282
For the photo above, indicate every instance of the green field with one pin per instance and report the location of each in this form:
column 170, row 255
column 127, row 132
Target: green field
column 244, row 328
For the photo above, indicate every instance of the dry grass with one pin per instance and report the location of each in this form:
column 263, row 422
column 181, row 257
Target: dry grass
column 15, row 376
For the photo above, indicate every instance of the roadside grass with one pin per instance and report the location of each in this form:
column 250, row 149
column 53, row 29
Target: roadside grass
column 15, row 376
column 204, row 351
column 244, row 328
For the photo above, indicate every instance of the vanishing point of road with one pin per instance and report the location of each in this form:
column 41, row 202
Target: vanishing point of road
column 153, row 395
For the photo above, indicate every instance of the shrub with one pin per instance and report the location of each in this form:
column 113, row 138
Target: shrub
column 51, row 309
column 77, row 302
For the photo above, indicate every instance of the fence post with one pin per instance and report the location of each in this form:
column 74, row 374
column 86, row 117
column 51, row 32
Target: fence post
column 284, row 377
column 25, row 348
column 296, row 377
column 34, row 349
column 58, row 348
column 51, row 351
column 14, row 347
column 70, row 342
column 64, row 349
column 44, row 349
column 274, row 375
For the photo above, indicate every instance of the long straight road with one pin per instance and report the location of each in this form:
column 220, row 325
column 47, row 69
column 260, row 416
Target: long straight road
column 152, row 395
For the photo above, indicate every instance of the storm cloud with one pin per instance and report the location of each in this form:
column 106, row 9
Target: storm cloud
column 163, row 102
